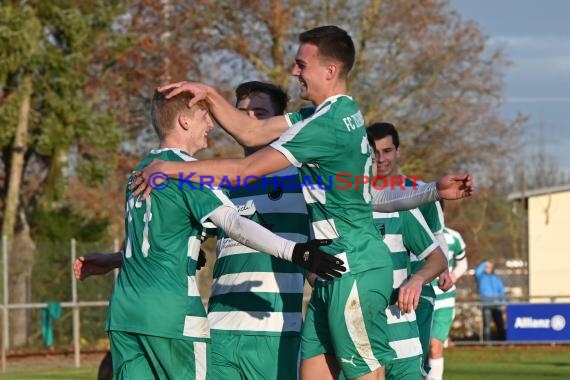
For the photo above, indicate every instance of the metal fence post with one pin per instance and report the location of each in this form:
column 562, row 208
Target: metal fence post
column 76, row 341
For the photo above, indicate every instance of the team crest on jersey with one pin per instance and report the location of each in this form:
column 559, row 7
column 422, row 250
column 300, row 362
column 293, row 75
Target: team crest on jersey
column 382, row 229
column 276, row 193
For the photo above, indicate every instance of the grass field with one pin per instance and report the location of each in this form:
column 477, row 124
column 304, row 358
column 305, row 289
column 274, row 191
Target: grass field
column 462, row 363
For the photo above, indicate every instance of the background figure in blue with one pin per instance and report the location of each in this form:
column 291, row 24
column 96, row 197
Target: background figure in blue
column 492, row 292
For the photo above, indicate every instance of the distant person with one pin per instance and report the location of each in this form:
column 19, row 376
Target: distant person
column 491, row 294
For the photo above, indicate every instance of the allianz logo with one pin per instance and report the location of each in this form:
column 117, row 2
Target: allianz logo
column 556, row 323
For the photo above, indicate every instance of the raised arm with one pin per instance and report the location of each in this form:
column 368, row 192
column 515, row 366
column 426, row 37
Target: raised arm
column 247, row 131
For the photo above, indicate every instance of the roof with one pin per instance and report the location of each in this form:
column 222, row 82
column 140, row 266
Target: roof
column 536, row 192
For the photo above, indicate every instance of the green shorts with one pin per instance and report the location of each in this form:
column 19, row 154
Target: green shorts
column 238, row 356
column 403, row 337
column 346, row 318
column 405, row 369
column 137, row 356
column 424, row 317
column 442, row 321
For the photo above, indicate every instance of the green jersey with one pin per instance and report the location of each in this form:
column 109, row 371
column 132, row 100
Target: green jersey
column 156, row 293
column 329, row 146
column 404, row 232
column 433, row 215
column 457, row 250
column 254, row 293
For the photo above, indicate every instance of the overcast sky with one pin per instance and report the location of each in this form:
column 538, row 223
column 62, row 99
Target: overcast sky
column 535, row 36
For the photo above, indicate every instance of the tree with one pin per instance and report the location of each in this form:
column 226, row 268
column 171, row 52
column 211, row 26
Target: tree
column 419, row 65
column 45, row 117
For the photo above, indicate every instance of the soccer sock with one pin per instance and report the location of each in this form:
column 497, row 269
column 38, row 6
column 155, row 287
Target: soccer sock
column 436, row 371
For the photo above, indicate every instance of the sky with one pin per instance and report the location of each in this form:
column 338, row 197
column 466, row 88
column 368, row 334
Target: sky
column 535, row 37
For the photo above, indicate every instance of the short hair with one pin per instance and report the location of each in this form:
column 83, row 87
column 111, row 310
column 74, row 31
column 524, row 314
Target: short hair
column 378, row 131
column 333, row 42
column 277, row 96
column 164, row 112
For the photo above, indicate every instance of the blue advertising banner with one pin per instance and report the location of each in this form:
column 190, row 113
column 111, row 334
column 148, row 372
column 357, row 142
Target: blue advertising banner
column 538, row 322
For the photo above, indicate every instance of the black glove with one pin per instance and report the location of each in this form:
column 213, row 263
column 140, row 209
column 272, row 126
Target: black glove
column 201, row 260
column 309, row 256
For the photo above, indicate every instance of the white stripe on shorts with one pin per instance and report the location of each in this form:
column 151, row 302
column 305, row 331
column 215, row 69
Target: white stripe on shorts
column 357, row 329
column 407, row 348
column 200, row 360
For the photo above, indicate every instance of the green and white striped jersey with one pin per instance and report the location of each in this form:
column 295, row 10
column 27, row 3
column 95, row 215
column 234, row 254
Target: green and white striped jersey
column 433, row 215
column 329, row 146
column 254, row 293
column 457, row 249
column 156, row 292
column 404, row 232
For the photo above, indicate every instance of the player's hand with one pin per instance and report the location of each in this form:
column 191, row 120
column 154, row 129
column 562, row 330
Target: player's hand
column 309, row 256
column 409, row 294
column 95, row 263
column 455, row 186
column 199, row 90
column 445, row 281
column 148, row 178
column 201, row 260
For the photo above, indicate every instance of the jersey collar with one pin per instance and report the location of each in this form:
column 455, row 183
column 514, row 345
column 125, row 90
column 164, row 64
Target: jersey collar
column 179, row 152
column 331, row 100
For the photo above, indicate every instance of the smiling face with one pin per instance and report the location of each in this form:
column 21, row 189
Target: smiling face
column 198, row 123
column 311, row 72
column 387, row 156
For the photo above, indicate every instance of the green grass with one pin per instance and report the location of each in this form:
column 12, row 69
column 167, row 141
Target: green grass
column 59, row 374
column 461, row 363
column 507, row 363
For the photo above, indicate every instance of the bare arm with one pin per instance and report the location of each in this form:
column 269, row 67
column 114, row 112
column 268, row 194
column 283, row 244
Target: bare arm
column 410, row 291
column 212, row 172
column 247, row 131
column 96, row 263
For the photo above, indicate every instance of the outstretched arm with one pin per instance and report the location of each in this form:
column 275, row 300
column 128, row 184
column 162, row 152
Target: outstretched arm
column 212, row 172
column 452, row 186
column 96, row 263
column 307, row 255
column 247, row 131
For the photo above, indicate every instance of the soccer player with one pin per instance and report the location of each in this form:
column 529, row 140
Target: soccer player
column 387, row 145
column 408, row 236
column 157, row 324
column 255, row 330
column 444, row 310
column 322, row 142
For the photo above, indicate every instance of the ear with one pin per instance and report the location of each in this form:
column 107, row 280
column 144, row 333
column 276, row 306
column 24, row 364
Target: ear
column 332, row 71
column 398, row 153
column 183, row 121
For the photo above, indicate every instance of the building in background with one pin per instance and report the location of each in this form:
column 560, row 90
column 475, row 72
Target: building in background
column 548, row 229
